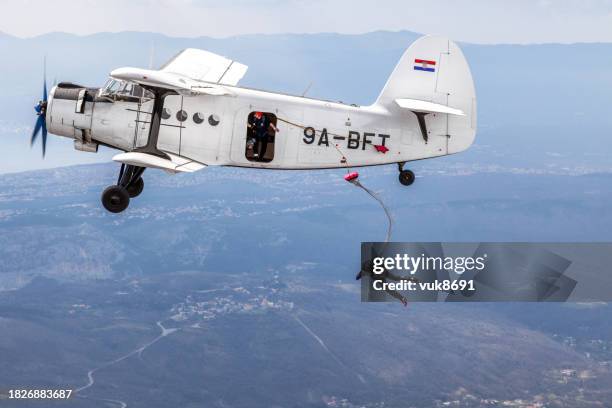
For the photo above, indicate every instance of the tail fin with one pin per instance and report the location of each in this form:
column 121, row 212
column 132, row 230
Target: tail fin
column 434, row 70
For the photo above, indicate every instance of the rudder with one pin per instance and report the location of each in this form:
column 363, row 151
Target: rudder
column 433, row 69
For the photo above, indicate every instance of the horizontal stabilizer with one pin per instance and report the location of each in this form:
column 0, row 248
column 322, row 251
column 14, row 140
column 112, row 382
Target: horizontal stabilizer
column 427, row 107
column 176, row 164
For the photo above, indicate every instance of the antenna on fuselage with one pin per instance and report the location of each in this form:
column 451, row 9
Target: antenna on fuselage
column 151, row 54
column 307, row 89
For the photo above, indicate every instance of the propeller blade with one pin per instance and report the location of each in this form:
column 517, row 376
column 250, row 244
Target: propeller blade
column 40, row 109
column 37, row 126
column 44, row 137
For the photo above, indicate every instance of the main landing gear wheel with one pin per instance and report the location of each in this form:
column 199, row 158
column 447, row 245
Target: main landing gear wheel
column 406, row 177
column 135, row 188
column 129, row 185
column 115, row 199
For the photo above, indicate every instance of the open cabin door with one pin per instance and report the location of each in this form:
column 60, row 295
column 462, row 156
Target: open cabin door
column 258, row 139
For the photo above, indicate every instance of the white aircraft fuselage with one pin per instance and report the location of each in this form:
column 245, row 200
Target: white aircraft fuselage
column 427, row 109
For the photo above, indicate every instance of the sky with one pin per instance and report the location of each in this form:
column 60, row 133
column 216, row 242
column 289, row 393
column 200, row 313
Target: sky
column 478, row 21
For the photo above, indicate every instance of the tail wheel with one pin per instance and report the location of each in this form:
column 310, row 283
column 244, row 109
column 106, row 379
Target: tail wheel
column 115, row 199
column 406, row 177
column 135, row 188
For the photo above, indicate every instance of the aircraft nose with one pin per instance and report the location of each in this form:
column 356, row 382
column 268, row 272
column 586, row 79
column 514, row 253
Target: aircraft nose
column 50, row 97
column 65, row 108
column 49, row 106
column 68, row 91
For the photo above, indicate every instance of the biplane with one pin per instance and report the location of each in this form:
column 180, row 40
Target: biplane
column 191, row 113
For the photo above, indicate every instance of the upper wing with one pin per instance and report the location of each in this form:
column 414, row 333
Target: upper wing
column 167, row 80
column 205, row 66
column 192, row 70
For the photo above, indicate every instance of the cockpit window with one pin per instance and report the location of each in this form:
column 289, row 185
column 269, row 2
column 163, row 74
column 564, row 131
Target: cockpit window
column 124, row 90
column 110, row 87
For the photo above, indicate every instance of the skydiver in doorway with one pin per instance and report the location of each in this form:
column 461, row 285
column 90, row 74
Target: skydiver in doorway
column 261, row 126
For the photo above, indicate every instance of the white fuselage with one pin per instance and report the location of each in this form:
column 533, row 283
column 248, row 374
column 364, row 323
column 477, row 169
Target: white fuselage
column 312, row 133
column 426, row 109
column 190, row 114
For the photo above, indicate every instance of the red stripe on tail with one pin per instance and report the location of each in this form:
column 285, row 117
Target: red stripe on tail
column 422, row 61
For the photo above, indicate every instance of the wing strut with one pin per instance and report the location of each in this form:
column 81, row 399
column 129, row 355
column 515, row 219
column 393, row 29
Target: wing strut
column 158, row 107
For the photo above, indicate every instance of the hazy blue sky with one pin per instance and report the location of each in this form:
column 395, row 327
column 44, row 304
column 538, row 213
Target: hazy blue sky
column 484, row 21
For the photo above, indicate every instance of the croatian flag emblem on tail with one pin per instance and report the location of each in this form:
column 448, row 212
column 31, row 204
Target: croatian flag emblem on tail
column 424, row 65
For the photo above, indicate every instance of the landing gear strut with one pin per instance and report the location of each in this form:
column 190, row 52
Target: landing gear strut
column 116, row 198
column 406, row 177
column 130, row 184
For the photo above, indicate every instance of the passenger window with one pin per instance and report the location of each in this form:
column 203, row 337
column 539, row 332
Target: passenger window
column 260, row 135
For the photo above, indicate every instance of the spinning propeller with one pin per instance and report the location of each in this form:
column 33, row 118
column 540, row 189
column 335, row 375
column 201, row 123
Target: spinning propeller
column 41, row 112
